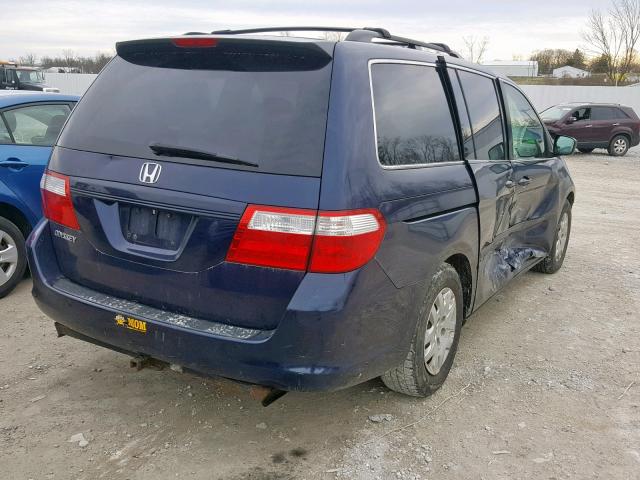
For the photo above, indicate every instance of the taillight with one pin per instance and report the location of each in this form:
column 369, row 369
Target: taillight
column 56, row 200
column 273, row 237
column 296, row 239
column 346, row 240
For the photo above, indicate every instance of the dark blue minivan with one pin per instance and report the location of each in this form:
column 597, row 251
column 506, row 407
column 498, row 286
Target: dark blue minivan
column 295, row 213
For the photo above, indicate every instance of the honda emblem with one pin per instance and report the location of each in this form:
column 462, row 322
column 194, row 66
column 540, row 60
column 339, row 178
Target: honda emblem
column 150, row 172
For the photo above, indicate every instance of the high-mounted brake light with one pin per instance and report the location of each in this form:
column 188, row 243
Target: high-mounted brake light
column 195, row 42
column 56, row 200
column 297, row 239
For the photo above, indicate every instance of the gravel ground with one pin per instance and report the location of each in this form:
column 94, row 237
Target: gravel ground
column 546, row 385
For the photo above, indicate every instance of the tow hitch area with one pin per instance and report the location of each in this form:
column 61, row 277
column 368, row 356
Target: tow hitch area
column 265, row 395
column 142, row 361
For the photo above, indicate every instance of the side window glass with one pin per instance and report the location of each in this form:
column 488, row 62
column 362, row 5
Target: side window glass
column 465, row 123
column 9, row 76
column 527, row 133
column 486, row 120
column 36, row 124
column 4, row 133
column 582, row 114
column 412, row 116
column 601, row 113
column 614, row 113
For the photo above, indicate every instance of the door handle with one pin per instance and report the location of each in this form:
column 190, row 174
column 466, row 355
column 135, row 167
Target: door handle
column 524, row 181
column 588, row 126
column 13, row 163
column 509, row 184
column 615, row 124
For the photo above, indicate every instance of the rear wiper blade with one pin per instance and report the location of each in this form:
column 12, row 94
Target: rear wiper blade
column 169, row 151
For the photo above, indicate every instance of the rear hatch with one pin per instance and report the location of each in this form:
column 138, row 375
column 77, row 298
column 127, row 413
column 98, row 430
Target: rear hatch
column 164, row 153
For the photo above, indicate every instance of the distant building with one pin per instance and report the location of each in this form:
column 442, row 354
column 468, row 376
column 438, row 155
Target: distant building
column 62, row 70
column 514, row 68
column 570, row 72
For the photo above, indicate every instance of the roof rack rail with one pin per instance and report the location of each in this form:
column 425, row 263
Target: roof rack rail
column 365, row 34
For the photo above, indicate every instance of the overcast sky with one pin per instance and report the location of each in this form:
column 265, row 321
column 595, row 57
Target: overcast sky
column 514, row 27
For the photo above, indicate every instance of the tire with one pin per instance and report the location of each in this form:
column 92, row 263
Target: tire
column 585, row 150
column 13, row 256
column 417, row 377
column 553, row 262
column 619, row 146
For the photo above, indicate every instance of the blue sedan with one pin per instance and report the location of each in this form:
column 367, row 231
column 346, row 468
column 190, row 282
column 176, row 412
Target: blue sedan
column 29, row 125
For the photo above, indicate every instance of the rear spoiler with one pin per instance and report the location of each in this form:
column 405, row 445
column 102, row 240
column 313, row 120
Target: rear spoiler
column 224, row 53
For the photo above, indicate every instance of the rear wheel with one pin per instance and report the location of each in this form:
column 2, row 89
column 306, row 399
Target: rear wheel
column 435, row 340
column 13, row 257
column 585, row 150
column 554, row 261
column 619, row 146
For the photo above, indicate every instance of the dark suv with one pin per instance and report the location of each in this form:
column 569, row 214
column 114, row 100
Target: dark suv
column 295, row 213
column 595, row 125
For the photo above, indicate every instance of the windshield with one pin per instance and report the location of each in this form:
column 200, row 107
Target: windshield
column 554, row 114
column 29, row 76
column 272, row 117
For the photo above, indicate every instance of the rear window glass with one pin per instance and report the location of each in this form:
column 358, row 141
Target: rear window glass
column 274, row 119
column 413, row 120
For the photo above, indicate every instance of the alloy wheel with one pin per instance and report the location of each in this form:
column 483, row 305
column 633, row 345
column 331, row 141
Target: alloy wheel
column 8, row 257
column 620, row 146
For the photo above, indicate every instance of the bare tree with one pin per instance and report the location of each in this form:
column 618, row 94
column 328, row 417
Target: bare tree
column 28, row 59
column 333, row 36
column 614, row 36
column 69, row 58
column 77, row 63
column 475, row 48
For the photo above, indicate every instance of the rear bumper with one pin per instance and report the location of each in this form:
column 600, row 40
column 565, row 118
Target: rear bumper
column 339, row 330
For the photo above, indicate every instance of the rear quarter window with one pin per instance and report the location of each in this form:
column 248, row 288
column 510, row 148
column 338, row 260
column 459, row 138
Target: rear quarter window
column 620, row 114
column 412, row 116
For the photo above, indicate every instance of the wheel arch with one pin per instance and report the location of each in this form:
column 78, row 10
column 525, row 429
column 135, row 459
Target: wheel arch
column 16, row 216
column 571, row 197
column 624, row 133
column 462, row 266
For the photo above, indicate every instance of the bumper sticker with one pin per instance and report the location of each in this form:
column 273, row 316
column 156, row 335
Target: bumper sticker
column 131, row 323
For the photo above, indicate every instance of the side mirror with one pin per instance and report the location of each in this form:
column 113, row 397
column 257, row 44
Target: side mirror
column 564, row 145
column 571, row 120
